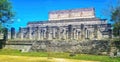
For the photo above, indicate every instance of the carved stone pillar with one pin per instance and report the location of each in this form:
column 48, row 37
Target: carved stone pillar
column 79, row 35
column 74, row 33
column 47, row 32
column 9, row 34
column 58, row 32
column 38, row 33
column 63, row 34
column 5, row 35
column 66, row 34
column 30, row 32
column 53, row 33
column 41, row 34
column 86, row 34
column 21, row 33
column 95, row 31
column 82, row 32
column 70, row 31
column 44, row 33
column 12, row 33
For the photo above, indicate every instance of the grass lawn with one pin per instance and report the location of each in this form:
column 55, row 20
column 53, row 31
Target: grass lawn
column 9, row 58
column 11, row 52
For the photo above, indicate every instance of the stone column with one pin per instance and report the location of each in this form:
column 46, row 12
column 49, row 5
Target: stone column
column 5, row 35
column 44, row 33
column 70, row 32
column 66, row 34
column 95, row 31
column 47, row 32
column 12, row 33
column 21, row 33
column 41, row 34
column 79, row 35
column 9, row 34
column 76, row 34
column 30, row 32
column 53, row 33
column 38, row 33
column 58, row 32
column 63, row 34
column 82, row 32
column 86, row 35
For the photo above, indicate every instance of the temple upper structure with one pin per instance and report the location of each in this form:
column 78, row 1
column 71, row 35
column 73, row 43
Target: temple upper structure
column 75, row 24
column 71, row 14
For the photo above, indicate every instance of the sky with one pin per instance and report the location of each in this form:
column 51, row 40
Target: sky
column 37, row 10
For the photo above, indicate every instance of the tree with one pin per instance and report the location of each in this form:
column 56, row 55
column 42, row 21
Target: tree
column 116, row 18
column 112, row 11
column 5, row 11
column 6, row 14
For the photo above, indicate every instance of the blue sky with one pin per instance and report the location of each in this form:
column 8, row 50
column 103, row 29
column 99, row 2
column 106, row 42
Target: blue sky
column 37, row 10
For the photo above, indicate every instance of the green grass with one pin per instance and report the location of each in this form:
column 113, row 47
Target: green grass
column 59, row 55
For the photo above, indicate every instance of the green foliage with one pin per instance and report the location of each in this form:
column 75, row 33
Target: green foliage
column 5, row 11
column 6, row 14
column 60, row 55
column 116, row 29
column 116, row 18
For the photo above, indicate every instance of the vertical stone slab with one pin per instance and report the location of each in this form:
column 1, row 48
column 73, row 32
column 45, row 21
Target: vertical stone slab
column 5, row 37
column 58, row 32
column 66, row 34
column 50, row 34
column 44, row 33
column 21, row 33
column 82, row 32
column 74, row 33
column 70, row 32
column 79, row 35
column 86, row 34
column 41, row 34
column 30, row 32
column 9, row 34
column 47, row 32
column 63, row 33
column 12, row 33
column 53, row 33
column 38, row 33
column 95, row 31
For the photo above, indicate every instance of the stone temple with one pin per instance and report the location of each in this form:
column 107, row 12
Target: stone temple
column 74, row 24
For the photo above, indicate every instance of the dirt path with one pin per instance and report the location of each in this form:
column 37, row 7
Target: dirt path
column 8, row 58
column 70, row 60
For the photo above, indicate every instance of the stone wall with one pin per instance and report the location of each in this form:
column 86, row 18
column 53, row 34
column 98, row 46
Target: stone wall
column 22, row 48
column 87, row 47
